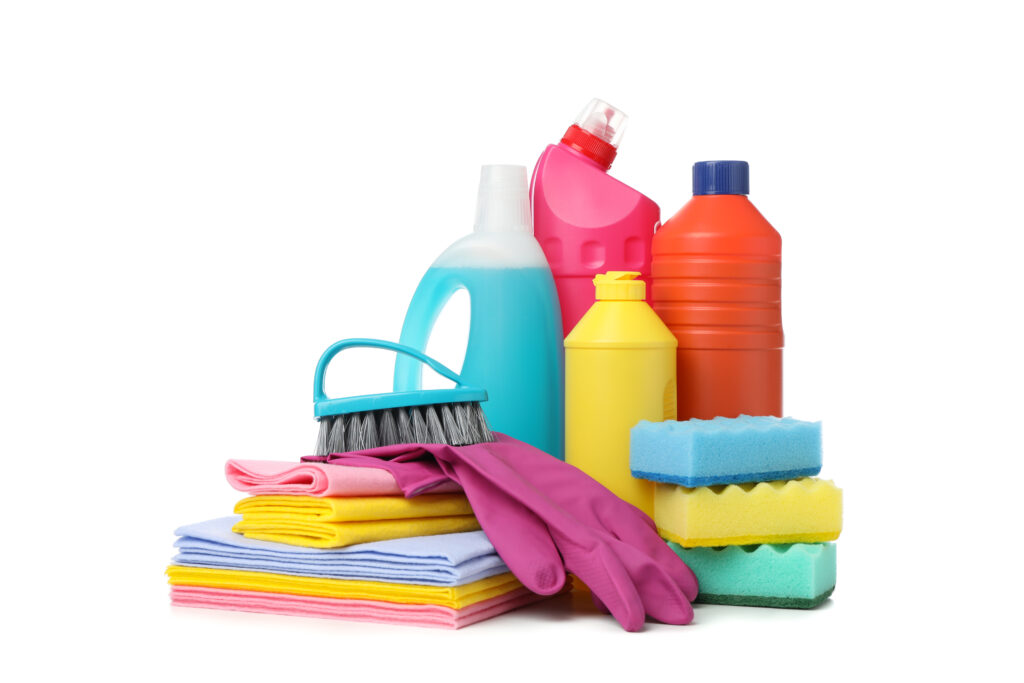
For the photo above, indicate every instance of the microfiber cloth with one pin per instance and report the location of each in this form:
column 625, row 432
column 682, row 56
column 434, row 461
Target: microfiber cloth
column 354, row 610
column 444, row 560
column 292, row 526
column 272, row 477
column 455, row 597
column 725, row 450
column 361, row 509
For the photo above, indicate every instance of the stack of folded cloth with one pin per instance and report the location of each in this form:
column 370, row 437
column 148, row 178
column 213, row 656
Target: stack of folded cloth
column 335, row 541
column 738, row 501
column 332, row 506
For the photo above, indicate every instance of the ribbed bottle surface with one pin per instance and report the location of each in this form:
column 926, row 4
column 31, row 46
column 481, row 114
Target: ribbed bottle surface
column 720, row 301
column 716, row 283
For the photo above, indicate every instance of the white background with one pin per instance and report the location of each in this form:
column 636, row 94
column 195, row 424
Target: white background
column 196, row 198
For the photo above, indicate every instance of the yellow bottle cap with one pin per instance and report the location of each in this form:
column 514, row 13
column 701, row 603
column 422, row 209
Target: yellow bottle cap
column 620, row 285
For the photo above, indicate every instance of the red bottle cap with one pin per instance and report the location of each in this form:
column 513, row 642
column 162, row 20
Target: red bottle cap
column 597, row 132
column 590, row 146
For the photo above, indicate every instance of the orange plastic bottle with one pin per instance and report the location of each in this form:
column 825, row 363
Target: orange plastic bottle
column 716, row 283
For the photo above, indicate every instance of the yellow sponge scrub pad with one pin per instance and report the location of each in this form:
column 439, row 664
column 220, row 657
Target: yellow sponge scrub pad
column 807, row 510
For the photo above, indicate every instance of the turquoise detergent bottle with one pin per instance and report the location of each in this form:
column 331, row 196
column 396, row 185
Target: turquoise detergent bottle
column 515, row 349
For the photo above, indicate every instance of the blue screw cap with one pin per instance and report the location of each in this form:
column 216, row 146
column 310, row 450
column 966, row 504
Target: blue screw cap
column 721, row 177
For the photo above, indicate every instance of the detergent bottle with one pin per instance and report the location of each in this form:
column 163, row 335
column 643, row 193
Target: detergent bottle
column 717, row 285
column 620, row 368
column 586, row 221
column 514, row 350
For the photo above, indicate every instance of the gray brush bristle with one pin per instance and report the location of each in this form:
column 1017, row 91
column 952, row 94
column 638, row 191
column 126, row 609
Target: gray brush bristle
column 486, row 436
column 419, row 426
column 456, row 424
column 452, row 431
column 435, row 431
column 405, row 434
column 331, row 437
column 336, row 440
column 470, row 430
column 368, row 432
column 321, row 436
column 355, row 423
column 388, row 429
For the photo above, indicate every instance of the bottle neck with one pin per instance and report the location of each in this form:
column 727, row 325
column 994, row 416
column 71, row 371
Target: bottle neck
column 721, row 198
column 500, row 210
column 591, row 147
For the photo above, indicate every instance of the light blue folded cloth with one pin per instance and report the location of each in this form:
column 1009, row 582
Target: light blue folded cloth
column 442, row 560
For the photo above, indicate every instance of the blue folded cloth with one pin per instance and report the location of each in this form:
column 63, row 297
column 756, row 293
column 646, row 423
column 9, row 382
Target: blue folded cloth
column 442, row 560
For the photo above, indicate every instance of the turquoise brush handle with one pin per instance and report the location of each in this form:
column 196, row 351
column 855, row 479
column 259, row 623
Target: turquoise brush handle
column 335, row 406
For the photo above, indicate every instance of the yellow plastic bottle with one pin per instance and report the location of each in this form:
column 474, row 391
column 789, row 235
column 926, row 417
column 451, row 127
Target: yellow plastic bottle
column 620, row 368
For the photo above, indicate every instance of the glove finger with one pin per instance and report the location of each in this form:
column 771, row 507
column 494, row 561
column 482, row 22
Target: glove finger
column 635, row 528
column 520, row 537
column 678, row 570
column 592, row 560
column 663, row 598
column 598, row 604
column 652, row 546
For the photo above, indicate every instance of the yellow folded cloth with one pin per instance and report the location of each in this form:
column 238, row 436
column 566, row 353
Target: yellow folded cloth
column 455, row 597
column 338, row 522
column 370, row 508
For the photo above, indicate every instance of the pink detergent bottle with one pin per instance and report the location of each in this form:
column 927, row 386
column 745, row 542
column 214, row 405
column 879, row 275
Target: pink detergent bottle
column 586, row 221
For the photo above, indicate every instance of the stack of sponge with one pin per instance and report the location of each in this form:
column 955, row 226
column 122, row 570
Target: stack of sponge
column 738, row 500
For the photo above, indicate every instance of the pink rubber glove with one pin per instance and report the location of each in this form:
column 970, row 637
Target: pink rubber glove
column 544, row 518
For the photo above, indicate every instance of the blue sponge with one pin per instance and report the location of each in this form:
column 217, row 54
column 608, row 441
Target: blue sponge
column 725, row 450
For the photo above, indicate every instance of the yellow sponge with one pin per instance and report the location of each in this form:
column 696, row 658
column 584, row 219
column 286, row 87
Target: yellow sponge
column 807, row 510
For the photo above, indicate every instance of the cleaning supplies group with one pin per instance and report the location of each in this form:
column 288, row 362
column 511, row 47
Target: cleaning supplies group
column 709, row 354
column 383, row 522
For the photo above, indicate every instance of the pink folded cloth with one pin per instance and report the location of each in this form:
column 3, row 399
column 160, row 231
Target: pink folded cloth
column 272, row 477
column 354, row 610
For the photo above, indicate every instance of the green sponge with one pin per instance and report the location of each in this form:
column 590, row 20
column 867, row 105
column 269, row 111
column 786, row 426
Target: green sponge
column 800, row 575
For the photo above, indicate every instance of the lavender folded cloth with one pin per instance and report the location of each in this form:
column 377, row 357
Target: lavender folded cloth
column 443, row 560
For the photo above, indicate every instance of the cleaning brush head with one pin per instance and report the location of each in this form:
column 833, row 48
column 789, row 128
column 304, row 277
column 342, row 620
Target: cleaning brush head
column 448, row 416
column 460, row 425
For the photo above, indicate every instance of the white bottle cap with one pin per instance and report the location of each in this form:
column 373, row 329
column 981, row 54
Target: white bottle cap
column 503, row 202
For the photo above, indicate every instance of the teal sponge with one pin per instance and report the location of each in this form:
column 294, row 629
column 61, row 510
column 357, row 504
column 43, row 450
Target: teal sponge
column 800, row 575
column 725, row 450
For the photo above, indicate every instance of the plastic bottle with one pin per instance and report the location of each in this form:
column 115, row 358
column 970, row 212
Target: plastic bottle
column 717, row 285
column 620, row 368
column 515, row 342
column 587, row 221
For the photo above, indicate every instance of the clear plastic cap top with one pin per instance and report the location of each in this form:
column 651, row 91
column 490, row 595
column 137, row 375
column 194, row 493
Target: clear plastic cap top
column 603, row 120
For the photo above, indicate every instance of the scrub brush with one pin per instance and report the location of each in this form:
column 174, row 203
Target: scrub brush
column 448, row 416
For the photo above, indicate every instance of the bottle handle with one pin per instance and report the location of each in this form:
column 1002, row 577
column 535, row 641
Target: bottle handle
column 427, row 303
